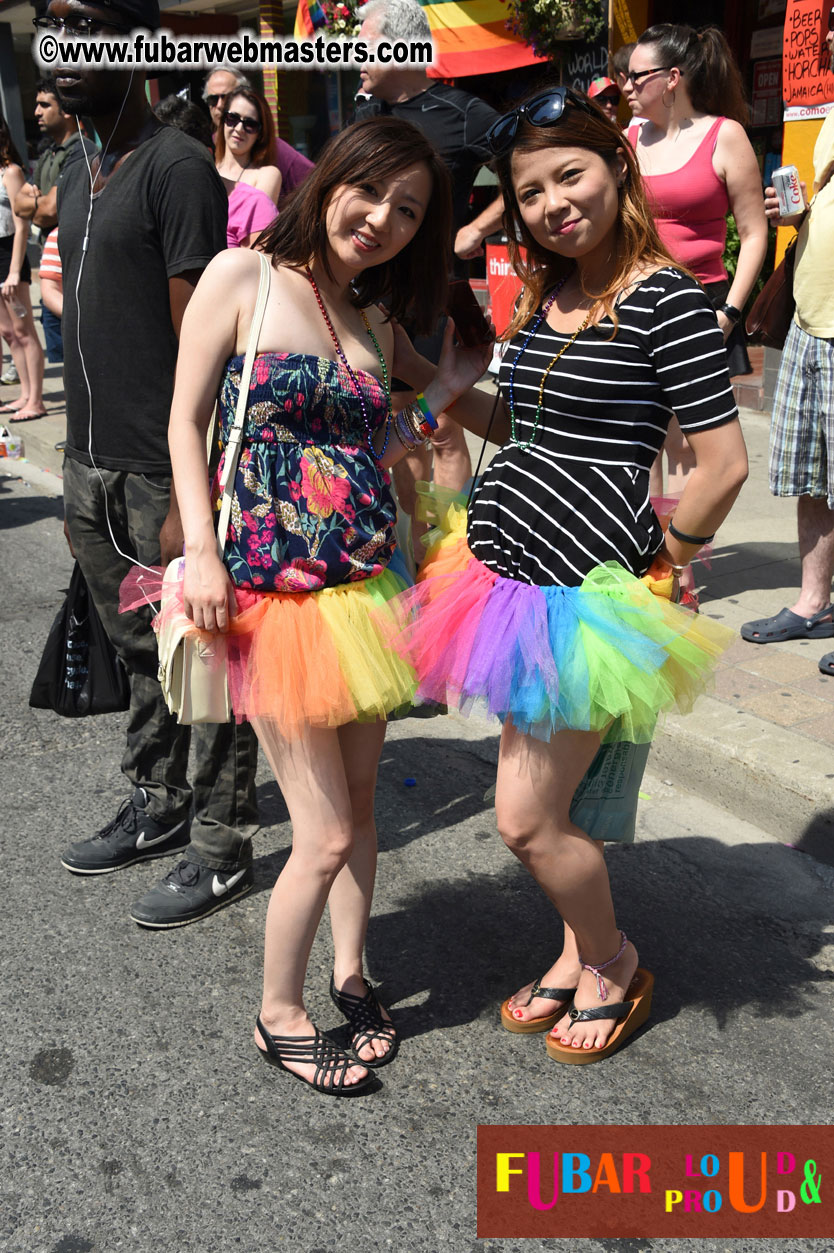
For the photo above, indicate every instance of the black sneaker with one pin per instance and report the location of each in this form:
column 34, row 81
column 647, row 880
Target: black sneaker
column 190, row 891
column 133, row 835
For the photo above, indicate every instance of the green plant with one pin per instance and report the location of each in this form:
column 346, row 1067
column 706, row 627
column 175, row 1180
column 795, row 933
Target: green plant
column 342, row 22
column 545, row 24
column 730, row 259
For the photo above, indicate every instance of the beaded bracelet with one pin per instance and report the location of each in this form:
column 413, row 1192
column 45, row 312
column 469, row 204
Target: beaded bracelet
column 426, row 411
column 411, row 429
column 683, row 538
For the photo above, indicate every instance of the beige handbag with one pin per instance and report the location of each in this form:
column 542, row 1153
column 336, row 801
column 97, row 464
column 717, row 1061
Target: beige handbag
column 192, row 668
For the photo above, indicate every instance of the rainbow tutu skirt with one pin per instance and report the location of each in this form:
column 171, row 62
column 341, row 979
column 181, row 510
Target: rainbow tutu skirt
column 300, row 659
column 608, row 656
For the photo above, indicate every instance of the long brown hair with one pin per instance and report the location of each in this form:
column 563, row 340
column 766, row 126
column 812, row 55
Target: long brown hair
column 9, row 155
column 712, row 77
column 413, row 283
column 638, row 243
column 262, row 151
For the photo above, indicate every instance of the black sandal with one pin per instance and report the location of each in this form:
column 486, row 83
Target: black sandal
column 364, row 1016
column 331, row 1062
column 528, row 1026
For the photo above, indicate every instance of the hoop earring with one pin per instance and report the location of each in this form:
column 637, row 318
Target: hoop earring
column 663, row 99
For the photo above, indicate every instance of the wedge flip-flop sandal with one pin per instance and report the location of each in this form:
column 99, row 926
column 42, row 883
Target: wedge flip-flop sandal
column 531, row 1025
column 787, row 625
column 631, row 1014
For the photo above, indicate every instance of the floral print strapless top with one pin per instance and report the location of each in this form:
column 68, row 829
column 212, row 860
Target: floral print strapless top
column 312, row 508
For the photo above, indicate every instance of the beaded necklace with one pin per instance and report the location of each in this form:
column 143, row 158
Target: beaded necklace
column 545, row 310
column 341, row 355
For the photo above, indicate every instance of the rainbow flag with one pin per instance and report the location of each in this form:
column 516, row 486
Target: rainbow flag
column 309, row 17
column 470, row 36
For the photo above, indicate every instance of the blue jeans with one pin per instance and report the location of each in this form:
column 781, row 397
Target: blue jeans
column 52, row 335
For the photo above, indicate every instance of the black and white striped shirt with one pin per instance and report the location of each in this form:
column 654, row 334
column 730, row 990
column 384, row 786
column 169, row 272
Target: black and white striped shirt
column 580, row 495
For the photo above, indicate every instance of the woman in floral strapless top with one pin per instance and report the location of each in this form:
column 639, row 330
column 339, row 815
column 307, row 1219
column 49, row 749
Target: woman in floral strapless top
column 304, row 587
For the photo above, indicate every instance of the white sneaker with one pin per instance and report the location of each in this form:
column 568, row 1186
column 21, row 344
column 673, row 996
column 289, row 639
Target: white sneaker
column 10, row 374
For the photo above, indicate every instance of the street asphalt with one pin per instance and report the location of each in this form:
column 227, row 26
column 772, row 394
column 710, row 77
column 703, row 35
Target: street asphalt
column 136, row 1113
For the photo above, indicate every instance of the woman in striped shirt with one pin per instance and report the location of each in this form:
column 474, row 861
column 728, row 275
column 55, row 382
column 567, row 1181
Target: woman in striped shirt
column 549, row 610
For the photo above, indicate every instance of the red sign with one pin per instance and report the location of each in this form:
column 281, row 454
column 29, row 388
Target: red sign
column 503, row 284
column 690, row 1182
column 806, row 63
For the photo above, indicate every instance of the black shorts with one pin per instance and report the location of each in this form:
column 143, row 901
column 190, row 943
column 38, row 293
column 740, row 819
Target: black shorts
column 6, row 246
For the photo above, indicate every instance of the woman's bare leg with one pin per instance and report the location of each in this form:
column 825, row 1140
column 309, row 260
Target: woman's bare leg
column 536, row 784
column 10, row 328
column 32, row 352
column 310, row 772
column 353, row 889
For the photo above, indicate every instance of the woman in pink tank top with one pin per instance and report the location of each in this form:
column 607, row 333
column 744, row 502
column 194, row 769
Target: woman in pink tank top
column 697, row 165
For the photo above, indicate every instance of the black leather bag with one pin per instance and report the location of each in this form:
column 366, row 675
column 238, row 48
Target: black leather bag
column 79, row 672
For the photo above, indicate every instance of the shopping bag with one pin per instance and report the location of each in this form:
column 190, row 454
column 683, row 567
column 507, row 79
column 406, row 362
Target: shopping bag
column 79, row 672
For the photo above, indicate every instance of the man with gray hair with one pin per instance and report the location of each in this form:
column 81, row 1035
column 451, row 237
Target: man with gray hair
column 454, row 120
column 221, row 82
column 456, row 123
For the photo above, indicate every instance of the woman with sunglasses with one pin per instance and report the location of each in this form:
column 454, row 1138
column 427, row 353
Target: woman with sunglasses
column 544, row 611
column 303, row 589
column 244, row 146
column 698, row 165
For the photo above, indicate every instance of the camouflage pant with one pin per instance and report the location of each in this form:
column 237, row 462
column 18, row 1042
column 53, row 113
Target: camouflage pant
column 156, row 758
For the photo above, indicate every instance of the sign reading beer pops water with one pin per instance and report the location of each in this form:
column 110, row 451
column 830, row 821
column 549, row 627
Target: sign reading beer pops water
column 807, row 77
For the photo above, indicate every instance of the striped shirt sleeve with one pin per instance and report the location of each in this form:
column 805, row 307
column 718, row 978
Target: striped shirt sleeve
column 687, row 349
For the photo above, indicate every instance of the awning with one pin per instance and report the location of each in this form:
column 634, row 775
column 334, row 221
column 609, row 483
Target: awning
column 470, row 36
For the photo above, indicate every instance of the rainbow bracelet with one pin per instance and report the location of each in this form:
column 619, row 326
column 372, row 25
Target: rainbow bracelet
column 426, row 411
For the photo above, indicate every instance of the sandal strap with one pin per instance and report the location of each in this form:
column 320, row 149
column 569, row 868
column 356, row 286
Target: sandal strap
column 364, row 1015
column 551, row 994
column 331, row 1062
column 602, row 1011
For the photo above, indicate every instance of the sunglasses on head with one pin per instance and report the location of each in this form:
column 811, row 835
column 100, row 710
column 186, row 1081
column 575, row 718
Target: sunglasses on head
column 250, row 124
column 543, row 110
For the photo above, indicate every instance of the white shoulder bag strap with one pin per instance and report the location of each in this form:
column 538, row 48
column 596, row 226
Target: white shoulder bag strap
column 227, row 478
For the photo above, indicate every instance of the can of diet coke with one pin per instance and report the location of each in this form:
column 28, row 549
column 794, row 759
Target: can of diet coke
column 785, row 182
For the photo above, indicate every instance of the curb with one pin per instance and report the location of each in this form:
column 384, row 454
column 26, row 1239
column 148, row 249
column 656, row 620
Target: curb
column 768, row 775
column 45, row 481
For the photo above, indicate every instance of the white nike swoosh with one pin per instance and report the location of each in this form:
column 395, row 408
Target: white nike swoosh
column 142, row 842
column 219, row 889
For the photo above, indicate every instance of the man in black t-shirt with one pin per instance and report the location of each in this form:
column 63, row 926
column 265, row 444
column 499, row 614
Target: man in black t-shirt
column 133, row 247
column 456, row 122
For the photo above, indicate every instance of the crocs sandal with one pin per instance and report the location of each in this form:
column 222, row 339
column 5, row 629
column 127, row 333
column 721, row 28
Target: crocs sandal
column 826, row 664
column 364, row 1016
column 530, row 1025
column 331, row 1062
column 787, row 625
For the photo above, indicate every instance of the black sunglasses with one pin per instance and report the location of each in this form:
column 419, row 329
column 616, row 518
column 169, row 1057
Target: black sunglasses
column 212, row 100
column 641, row 74
column 78, row 26
column 250, row 124
column 543, row 110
